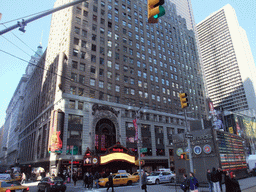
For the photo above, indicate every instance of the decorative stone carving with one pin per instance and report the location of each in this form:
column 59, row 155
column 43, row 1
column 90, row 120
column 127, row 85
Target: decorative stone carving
column 96, row 107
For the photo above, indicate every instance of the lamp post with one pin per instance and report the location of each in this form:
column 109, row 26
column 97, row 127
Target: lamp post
column 139, row 142
column 188, row 141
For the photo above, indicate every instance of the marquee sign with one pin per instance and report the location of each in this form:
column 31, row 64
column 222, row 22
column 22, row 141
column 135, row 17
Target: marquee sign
column 117, row 156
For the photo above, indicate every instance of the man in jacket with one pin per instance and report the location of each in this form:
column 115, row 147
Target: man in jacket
column 215, row 180
column 219, row 175
column 144, row 181
column 209, row 176
column 110, row 182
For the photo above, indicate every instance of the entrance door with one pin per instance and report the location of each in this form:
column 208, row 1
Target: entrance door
column 105, row 136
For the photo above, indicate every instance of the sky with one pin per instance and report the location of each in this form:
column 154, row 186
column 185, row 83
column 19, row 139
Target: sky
column 12, row 69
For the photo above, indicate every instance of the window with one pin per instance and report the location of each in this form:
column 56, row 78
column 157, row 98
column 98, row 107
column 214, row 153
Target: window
column 72, row 104
column 117, row 88
column 82, row 67
column 75, row 52
column 93, row 47
column 77, row 30
column 83, row 44
column 81, row 79
column 74, row 64
column 93, row 70
column 92, row 82
column 72, row 90
column 80, row 91
column 80, row 105
column 93, row 58
column 82, row 56
column 76, row 41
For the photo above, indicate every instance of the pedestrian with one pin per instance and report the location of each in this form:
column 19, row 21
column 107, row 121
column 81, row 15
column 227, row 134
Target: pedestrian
column 85, row 179
column 90, row 181
column 215, row 180
column 110, row 182
column 209, row 176
column 144, row 181
column 228, row 183
column 193, row 183
column 235, row 183
column 23, row 178
column 185, row 184
column 97, row 177
column 219, row 176
column 74, row 177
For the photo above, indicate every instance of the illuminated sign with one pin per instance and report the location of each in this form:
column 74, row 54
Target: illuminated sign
column 117, row 156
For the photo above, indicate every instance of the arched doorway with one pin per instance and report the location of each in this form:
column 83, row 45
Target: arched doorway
column 105, row 135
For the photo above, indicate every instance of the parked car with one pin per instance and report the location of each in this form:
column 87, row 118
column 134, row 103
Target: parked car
column 9, row 186
column 119, row 179
column 161, row 177
column 54, row 184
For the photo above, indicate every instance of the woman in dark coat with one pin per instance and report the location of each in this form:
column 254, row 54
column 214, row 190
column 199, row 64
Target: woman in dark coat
column 193, row 183
column 235, row 183
column 228, row 183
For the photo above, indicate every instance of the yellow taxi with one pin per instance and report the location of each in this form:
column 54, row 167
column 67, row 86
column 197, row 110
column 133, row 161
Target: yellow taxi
column 119, row 179
column 9, row 186
column 137, row 175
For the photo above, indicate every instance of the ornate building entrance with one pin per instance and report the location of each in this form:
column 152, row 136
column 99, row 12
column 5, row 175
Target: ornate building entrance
column 105, row 135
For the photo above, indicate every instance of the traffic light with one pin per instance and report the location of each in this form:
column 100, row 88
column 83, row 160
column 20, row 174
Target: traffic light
column 139, row 163
column 183, row 100
column 155, row 10
column 184, row 156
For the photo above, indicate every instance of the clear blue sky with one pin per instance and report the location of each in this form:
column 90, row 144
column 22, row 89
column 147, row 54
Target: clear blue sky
column 11, row 69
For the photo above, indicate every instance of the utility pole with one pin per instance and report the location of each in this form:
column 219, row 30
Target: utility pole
column 184, row 104
column 189, row 145
column 23, row 23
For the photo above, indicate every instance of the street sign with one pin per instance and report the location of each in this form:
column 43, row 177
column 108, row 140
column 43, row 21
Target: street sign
column 143, row 150
column 188, row 135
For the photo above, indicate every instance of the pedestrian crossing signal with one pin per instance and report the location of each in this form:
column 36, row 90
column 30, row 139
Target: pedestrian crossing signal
column 184, row 156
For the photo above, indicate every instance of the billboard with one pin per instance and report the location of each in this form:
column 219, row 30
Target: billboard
column 55, row 132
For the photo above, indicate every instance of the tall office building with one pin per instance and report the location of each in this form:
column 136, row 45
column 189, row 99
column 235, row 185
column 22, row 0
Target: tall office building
column 10, row 146
column 112, row 66
column 184, row 9
column 227, row 60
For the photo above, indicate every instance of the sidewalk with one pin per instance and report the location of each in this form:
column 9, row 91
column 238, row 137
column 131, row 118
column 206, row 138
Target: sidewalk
column 247, row 185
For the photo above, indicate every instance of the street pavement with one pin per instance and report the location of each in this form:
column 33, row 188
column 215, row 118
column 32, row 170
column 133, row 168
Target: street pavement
column 247, row 185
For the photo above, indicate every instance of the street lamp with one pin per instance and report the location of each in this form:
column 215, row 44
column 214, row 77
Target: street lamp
column 138, row 138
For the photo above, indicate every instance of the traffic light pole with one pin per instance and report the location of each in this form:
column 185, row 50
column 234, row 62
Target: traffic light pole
column 23, row 23
column 188, row 141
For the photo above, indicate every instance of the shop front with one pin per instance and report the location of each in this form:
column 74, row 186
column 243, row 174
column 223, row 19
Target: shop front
column 116, row 158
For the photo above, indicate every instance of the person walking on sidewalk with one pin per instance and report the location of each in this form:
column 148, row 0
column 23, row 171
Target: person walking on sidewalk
column 110, row 182
column 215, row 180
column 185, row 185
column 85, row 179
column 228, row 183
column 209, row 176
column 235, row 183
column 193, row 183
column 219, row 176
column 90, row 181
column 144, row 181
column 74, row 177
column 96, row 177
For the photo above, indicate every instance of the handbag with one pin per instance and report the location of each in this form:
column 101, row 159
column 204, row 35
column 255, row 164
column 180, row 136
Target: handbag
column 183, row 186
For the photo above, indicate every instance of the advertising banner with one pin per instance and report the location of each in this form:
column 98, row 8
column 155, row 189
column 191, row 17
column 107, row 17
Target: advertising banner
column 136, row 129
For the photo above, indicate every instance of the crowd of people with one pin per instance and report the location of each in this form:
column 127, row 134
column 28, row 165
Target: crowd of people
column 215, row 178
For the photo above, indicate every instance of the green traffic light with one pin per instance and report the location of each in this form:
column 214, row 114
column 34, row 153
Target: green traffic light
column 161, row 12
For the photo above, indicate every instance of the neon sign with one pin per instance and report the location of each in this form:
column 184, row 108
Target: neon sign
column 117, row 156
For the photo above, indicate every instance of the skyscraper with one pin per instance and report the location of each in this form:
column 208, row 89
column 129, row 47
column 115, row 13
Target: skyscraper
column 105, row 68
column 227, row 60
